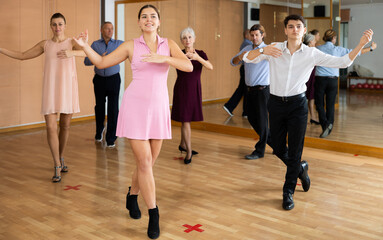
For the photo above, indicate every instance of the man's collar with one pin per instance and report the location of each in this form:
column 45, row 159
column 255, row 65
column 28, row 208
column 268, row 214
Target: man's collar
column 284, row 47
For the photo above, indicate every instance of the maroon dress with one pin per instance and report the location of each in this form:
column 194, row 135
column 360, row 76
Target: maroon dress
column 310, row 86
column 187, row 94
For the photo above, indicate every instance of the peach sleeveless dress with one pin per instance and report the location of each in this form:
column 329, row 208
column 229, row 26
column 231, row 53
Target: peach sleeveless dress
column 144, row 112
column 60, row 87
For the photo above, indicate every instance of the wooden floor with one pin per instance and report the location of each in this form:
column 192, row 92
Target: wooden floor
column 358, row 120
column 232, row 198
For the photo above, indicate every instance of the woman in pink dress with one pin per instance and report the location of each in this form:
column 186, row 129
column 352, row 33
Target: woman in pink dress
column 60, row 88
column 144, row 116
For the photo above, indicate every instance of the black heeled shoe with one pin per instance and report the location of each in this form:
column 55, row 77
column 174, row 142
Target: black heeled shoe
column 315, row 122
column 188, row 161
column 64, row 168
column 154, row 223
column 56, row 178
column 132, row 206
column 184, row 150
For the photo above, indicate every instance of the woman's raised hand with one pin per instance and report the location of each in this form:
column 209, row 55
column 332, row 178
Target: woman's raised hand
column 367, row 37
column 153, row 58
column 192, row 55
column 65, row 54
column 82, row 39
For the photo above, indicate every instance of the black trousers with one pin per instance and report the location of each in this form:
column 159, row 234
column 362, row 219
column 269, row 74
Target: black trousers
column 257, row 100
column 106, row 87
column 288, row 118
column 325, row 87
column 239, row 92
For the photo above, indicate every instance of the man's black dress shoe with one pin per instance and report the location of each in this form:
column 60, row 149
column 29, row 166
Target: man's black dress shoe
column 253, row 155
column 304, row 176
column 326, row 131
column 288, row 202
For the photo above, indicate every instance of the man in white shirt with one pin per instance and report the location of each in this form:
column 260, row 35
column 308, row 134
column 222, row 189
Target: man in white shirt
column 291, row 63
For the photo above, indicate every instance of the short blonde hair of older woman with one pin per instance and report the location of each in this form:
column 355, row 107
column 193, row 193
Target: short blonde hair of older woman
column 187, row 30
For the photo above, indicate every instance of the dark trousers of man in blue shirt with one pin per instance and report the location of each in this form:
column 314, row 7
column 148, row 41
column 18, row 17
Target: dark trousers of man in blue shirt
column 257, row 99
column 239, row 92
column 326, row 88
column 106, row 87
column 288, row 118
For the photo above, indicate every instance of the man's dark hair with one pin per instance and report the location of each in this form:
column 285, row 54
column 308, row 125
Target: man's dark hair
column 259, row 27
column 294, row 17
column 58, row 15
column 102, row 25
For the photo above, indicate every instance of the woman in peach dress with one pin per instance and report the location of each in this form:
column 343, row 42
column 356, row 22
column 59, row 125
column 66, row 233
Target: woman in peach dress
column 144, row 116
column 60, row 88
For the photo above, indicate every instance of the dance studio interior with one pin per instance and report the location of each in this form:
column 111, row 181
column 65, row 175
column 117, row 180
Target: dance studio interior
column 218, row 193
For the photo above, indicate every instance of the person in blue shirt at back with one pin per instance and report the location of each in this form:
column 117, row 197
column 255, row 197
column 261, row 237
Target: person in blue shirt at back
column 257, row 82
column 326, row 81
column 106, row 85
column 241, row 90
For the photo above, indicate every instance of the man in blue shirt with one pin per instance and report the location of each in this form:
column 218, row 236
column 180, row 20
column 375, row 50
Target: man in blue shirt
column 241, row 89
column 326, row 81
column 258, row 92
column 106, row 84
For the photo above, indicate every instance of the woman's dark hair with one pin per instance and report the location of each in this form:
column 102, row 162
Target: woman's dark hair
column 294, row 17
column 149, row 6
column 314, row 32
column 58, row 15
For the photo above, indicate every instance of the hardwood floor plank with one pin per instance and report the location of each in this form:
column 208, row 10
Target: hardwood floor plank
column 232, row 198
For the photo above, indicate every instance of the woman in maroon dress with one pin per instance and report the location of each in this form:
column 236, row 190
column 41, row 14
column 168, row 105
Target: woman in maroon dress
column 310, row 40
column 187, row 96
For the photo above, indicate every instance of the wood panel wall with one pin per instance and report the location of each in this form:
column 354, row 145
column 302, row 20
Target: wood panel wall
column 218, row 25
column 23, row 23
column 271, row 17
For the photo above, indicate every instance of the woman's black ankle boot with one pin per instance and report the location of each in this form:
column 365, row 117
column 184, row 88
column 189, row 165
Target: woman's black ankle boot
column 154, row 225
column 132, row 206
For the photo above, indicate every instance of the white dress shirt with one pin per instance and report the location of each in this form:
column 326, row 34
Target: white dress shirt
column 289, row 73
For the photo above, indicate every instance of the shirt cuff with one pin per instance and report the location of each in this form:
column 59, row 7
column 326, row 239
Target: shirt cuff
column 347, row 61
column 245, row 58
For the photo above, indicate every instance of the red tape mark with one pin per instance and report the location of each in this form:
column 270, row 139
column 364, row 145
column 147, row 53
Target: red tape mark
column 178, row 158
column 191, row 228
column 356, row 155
column 298, row 184
column 72, row 187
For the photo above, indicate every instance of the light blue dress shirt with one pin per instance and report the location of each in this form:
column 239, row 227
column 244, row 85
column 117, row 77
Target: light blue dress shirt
column 333, row 50
column 245, row 43
column 101, row 47
column 255, row 74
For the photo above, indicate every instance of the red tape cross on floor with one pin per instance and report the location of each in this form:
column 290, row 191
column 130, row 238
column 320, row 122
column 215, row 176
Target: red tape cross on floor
column 74, row 187
column 191, row 228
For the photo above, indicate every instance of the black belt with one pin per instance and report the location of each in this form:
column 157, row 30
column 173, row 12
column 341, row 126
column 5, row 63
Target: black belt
column 257, row 87
column 330, row 77
column 289, row 98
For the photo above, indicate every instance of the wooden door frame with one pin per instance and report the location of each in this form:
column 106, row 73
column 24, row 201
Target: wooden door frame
column 116, row 3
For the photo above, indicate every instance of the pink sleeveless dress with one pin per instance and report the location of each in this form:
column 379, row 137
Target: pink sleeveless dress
column 144, row 112
column 60, row 88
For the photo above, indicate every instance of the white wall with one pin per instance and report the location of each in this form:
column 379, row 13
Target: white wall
column 109, row 11
column 365, row 16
